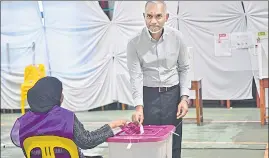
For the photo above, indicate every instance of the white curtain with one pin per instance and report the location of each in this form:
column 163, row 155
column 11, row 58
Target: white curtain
column 172, row 7
column 257, row 20
column 224, row 78
column 127, row 21
column 75, row 33
column 87, row 51
column 21, row 25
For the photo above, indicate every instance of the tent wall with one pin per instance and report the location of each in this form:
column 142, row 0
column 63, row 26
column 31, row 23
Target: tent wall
column 87, row 51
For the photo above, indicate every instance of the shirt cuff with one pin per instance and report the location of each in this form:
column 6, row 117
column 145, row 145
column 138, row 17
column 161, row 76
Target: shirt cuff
column 138, row 101
column 184, row 91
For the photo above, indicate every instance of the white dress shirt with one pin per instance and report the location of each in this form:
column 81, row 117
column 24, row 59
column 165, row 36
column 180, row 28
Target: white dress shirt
column 162, row 63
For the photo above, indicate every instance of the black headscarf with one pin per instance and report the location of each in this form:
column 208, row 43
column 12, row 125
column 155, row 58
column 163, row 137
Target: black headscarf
column 45, row 94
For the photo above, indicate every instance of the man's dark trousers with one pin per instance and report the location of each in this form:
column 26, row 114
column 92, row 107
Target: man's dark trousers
column 160, row 108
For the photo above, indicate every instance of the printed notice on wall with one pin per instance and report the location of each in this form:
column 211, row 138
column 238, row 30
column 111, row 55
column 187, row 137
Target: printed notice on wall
column 262, row 38
column 242, row 40
column 222, row 45
column 262, row 35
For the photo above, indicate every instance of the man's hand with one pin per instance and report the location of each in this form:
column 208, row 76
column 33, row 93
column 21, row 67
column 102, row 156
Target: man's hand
column 138, row 116
column 182, row 108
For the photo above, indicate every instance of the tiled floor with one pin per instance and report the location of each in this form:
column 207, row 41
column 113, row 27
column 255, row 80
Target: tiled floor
column 226, row 133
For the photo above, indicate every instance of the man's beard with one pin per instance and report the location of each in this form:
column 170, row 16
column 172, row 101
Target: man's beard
column 156, row 29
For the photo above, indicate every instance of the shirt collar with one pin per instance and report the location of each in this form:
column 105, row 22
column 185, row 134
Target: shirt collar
column 164, row 34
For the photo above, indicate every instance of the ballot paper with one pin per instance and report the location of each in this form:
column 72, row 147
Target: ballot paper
column 141, row 129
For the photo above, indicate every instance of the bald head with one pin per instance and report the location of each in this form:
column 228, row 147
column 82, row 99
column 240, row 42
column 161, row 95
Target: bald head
column 160, row 4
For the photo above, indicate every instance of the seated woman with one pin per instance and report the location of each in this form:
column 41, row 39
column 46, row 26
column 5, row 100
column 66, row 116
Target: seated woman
column 47, row 117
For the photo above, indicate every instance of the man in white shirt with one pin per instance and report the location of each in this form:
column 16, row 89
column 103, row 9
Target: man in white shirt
column 158, row 64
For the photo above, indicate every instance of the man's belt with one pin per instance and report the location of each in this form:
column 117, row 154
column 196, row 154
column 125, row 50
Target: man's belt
column 163, row 89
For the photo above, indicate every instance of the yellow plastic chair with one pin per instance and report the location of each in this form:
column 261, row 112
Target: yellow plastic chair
column 32, row 73
column 48, row 143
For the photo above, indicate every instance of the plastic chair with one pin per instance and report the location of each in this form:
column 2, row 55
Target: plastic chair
column 48, row 143
column 32, row 73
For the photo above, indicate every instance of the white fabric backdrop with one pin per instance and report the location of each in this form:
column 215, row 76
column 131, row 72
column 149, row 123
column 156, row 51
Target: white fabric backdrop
column 20, row 26
column 224, row 78
column 257, row 18
column 78, row 56
column 127, row 20
column 87, row 51
column 172, row 7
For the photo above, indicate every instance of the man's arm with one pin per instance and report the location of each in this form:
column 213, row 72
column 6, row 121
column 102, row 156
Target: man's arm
column 183, row 69
column 136, row 75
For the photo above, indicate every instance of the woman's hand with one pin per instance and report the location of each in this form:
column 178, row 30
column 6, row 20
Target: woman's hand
column 117, row 123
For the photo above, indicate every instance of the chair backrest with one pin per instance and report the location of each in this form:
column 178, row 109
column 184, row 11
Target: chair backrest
column 48, row 143
column 33, row 73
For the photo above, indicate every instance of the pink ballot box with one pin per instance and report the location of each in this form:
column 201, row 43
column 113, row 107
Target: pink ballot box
column 155, row 142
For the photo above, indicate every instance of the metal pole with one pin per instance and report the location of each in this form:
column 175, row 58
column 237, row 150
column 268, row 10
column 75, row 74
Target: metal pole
column 33, row 49
column 8, row 58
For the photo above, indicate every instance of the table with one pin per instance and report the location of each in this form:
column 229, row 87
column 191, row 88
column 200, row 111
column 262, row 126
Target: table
column 196, row 85
column 263, row 85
